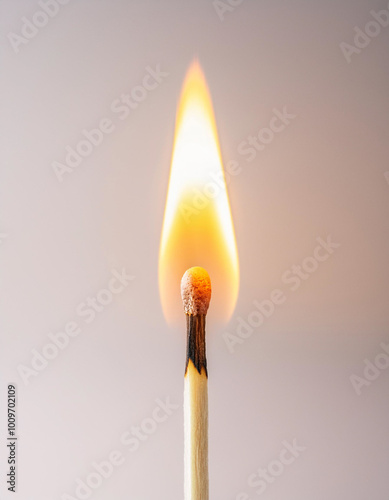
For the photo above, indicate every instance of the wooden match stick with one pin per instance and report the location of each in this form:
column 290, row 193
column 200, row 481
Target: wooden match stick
column 196, row 294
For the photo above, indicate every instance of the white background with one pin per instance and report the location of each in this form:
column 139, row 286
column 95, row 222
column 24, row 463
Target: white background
column 323, row 175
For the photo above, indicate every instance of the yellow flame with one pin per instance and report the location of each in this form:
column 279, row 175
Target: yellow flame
column 197, row 228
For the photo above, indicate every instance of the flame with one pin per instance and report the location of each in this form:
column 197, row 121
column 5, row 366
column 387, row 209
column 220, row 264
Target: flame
column 197, row 227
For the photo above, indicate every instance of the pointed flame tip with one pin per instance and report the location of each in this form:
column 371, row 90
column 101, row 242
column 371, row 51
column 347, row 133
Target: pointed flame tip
column 195, row 67
column 195, row 78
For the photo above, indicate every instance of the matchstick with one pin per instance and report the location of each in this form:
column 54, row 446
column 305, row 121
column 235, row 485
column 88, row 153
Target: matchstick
column 196, row 294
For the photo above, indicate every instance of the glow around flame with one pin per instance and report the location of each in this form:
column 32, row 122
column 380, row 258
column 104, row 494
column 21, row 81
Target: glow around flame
column 197, row 228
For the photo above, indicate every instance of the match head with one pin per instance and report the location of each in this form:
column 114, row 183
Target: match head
column 196, row 291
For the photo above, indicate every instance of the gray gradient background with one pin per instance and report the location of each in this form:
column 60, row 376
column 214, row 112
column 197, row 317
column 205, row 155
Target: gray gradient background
column 323, row 175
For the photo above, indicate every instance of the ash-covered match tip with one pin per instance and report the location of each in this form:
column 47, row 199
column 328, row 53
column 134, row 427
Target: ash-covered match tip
column 196, row 291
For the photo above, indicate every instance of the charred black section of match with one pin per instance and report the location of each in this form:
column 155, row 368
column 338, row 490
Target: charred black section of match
column 195, row 349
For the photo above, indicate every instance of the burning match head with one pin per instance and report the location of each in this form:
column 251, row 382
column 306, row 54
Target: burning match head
column 196, row 291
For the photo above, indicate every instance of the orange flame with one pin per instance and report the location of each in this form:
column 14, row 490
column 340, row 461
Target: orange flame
column 197, row 227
